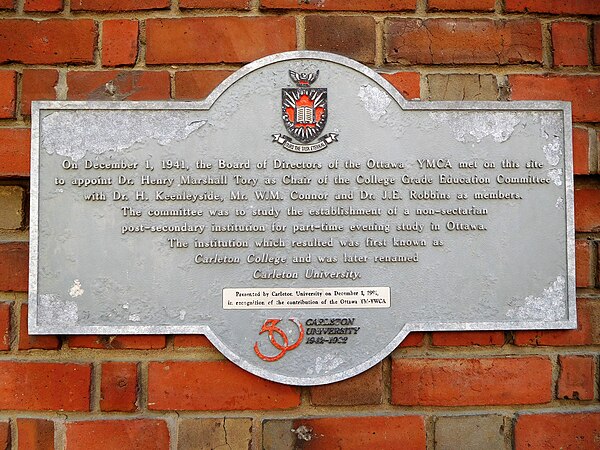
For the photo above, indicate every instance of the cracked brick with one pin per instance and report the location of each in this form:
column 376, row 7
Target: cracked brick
column 463, row 41
column 119, row 42
column 462, row 87
column 233, row 434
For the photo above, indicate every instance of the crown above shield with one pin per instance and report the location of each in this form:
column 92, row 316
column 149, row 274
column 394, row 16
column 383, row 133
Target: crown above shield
column 303, row 79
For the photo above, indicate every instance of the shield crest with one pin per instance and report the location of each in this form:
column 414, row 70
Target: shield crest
column 304, row 108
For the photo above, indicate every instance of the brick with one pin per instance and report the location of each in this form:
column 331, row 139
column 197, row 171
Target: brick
column 35, row 434
column 146, row 342
column 43, row 5
column 44, row 386
column 582, row 90
column 414, row 339
column 557, row 431
column 351, row 36
column 11, row 205
column 576, row 379
column 569, row 43
column 341, row 5
column 462, row 382
column 583, row 266
column 15, row 145
column 4, row 435
column 123, row 342
column 118, row 434
column 596, row 39
column 586, row 333
column 581, row 151
column 119, row 42
column 235, row 434
column 217, row 39
column 198, row 84
column 278, row 435
column 363, row 389
column 5, row 326
column 462, row 87
column 121, row 5
column 8, row 93
column 119, row 85
column 467, row 338
column 87, row 341
column 356, row 433
column 597, row 266
column 597, row 148
column 7, row 4
column 217, row 385
column 37, row 84
column 53, row 41
column 118, row 388
column 591, row 7
column 461, row 5
column 463, row 41
column 587, row 210
column 29, row 342
column 469, row 433
column 408, row 83
column 14, row 266
column 213, row 4
column 191, row 340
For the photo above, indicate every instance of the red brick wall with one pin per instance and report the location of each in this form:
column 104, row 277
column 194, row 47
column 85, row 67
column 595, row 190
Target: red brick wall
column 528, row 389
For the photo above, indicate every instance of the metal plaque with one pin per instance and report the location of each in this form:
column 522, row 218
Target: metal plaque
column 304, row 217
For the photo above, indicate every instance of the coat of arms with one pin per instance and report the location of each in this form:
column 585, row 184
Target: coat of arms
column 304, row 113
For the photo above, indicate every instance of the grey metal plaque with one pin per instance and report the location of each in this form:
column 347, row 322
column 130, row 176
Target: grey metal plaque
column 305, row 217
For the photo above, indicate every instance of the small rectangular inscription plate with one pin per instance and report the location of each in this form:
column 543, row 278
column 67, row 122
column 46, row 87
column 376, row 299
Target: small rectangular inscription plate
column 303, row 202
column 285, row 298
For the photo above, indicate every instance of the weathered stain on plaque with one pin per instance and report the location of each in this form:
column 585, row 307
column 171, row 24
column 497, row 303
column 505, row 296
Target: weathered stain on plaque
column 305, row 217
column 116, row 131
